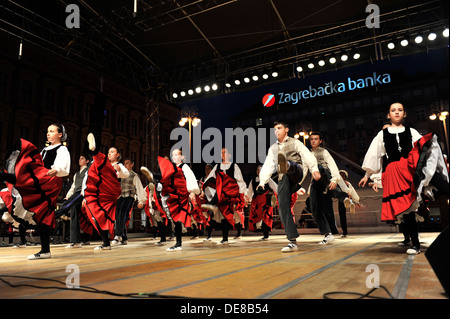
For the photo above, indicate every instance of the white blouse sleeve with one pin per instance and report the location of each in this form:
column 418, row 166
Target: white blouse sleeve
column 415, row 135
column 239, row 179
column 372, row 163
column 191, row 180
column 124, row 173
column 62, row 162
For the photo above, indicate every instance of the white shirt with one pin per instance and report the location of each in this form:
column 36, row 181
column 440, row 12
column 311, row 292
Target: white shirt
column 270, row 164
column 124, row 173
column 62, row 160
column 72, row 188
column 373, row 161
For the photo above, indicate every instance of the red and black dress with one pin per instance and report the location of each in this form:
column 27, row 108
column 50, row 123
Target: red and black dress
column 410, row 164
column 261, row 210
column 32, row 198
column 101, row 191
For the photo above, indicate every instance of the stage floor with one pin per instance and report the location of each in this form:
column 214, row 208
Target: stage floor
column 245, row 269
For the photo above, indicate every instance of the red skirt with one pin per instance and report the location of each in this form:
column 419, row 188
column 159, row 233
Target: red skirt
column 400, row 182
column 174, row 188
column 101, row 194
column 229, row 198
column 261, row 209
column 37, row 191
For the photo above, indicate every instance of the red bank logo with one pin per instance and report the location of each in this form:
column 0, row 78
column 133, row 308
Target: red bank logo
column 268, row 100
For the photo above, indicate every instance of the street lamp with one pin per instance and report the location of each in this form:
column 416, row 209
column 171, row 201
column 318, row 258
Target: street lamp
column 442, row 116
column 189, row 115
column 303, row 134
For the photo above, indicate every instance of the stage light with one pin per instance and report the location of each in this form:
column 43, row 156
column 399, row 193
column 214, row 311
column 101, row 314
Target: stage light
column 299, row 69
column 391, row 45
column 215, row 87
column 190, row 92
column 228, row 85
column 344, row 57
column 356, row 56
column 207, row 88
column 198, row 89
column 404, row 43
column 432, row 36
column 246, row 80
column 311, row 65
column 175, row 95
column 237, row 82
column 321, row 62
column 332, row 60
column 418, row 39
column 445, row 33
column 275, row 74
column 255, row 78
column 265, row 76
column 182, row 93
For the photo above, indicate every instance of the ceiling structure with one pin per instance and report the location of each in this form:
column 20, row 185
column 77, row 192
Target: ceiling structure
column 173, row 46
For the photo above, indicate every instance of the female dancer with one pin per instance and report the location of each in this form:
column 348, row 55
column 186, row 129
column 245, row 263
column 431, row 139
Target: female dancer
column 34, row 181
column 412, row 165
column 101, row 189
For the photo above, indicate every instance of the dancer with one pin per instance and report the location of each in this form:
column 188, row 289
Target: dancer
column 72, row 203
column 262, row 203
column 34, row 181
column 225, row 192
column 176, row 185
column 101, row 189
column 347, row 198
column 131, row 187
column 413, row 167
column 320, row 198
column 285, row 156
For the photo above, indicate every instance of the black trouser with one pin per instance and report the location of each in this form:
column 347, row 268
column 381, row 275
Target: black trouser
column 226, row 226
column 178, row 233
column 265, row 229
column 124, row 205
column 72, row 204
column 322, row 204
column 162, row 231
column 44, row 234
column 288, row 185
column 411, row 229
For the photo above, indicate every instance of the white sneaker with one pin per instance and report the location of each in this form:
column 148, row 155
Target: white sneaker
column 39, row 256
column 223, row 242
column 352, row 208
column 74, row 245
column 101, row 247
column 124, row 242
column 91, row 141
column 117, row 241
column 238, row 237
column 175, row 248
column 207, row 240
column 289, row 248
column 327, row 239
column 19, row 246
column 161, row 243
column 413, row 251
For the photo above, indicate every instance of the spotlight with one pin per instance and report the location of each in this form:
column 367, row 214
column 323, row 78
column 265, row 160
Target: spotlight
column 255, row 78
column 391, row 45
column 321, row 62
column 190, row 92
column 182, row 93
column 175, row 95
column 311, row 65
column 246, row 80
column 228, row 85
column 356, row 56
column 445, row 33
column 215, row 87
column 275, row 74
column 207, row 88
column 198, row 89
column 418, row 39
column 332, row 60
column 432, row 36
column 265, row 76
column 237, row 82
column 344, row 57
column 404, row 43
column 299, row 69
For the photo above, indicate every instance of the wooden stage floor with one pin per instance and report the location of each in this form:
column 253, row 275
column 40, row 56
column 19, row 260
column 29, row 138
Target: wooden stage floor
column 245, row 269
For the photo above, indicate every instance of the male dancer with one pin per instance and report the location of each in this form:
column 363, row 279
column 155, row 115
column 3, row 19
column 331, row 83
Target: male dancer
column 286, row 155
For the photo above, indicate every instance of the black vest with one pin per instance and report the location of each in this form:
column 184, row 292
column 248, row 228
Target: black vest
column 395, row 150
column 49, row 156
